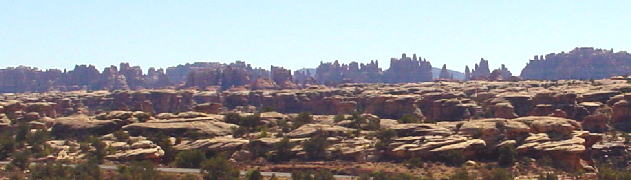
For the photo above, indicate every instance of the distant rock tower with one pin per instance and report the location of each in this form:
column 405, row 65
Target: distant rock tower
column 467, row 73
column 444, row 73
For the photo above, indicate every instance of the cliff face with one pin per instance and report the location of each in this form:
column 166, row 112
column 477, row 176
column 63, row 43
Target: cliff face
column 481, row 72
column 82, row 77
column 401, row 70
column 406, row 70
column 580, row 63
column 204, row 75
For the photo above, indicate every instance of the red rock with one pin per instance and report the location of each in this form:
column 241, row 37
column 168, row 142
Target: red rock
column 580, row 63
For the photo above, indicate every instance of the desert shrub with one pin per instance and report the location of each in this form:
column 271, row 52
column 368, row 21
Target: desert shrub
column 143, row 170
column 37, row 140
column 608, row 173
column 250, row 121
column 232, row 118
column 100, row 150
column 121, row 135
column 497, row 174
column 254, row 175
column 415, row 162
column 88, row 170
column 20, row 160
column 323, row 175
column 453, row 157
column 301, row 175
column 373, row 124
column 267, row 109
column 164, row 143
column 21, row 131
column 284, row 126
column 357, row 120
column 258, row 149
column 395, row 176
column 385, row 137
column 7, row 145
column 189, row 159
column 302, row 119
column 282, row 150
column 188, row 177
column 409, row 118
column 312, row 175
column 507, row 155
column 461, row 174
column 338, row 118
column 219, row 168
column 51, row 171
column 547, row 176
column 316, row 146
column 238, row 132
column 556, row 136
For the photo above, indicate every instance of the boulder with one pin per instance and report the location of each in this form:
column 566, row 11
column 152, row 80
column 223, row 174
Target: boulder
column 208, row 126
column 217, row 144
column 309, row 130
column 504, row 110
column 137, row 155
column 208, row 108
column 82, row 125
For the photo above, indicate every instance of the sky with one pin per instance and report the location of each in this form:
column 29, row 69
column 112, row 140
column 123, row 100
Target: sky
column 296, row 34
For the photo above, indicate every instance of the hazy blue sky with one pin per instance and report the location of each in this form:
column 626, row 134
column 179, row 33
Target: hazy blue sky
column 296, row 34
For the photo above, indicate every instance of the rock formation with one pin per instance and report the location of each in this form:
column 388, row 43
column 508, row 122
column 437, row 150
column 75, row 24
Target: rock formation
column 407, row 70
column 580, row 63
column 444, row 73
column 481, row 72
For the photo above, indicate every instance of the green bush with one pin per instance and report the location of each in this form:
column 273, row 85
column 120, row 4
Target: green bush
column 409, row 118
column 608, row 173
column 249, row 122
column 415, row 162
column 311, row 175
column 37, row 140
column 254, row 175
column 282, row 150
column 232, row 118
column 547, row 176
column 497, row 174
column 219, row 168
column 99, row 148
column 395, row 176
column 357, row 120
column 21, row 132
column 189, row 177
column 302, row 119
column 373, row 124
column 453, row 157
column 88, row 170
column 507, row 155
column 143, row 170
column 258, row 149
column 51, row 171
column 189, row 159
column 338, row 118
column 316, row 146
column 385, row 137
column 164, row 143
column 121, row 135
column 461, row 174
column 7, row 145
column 21, row 160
